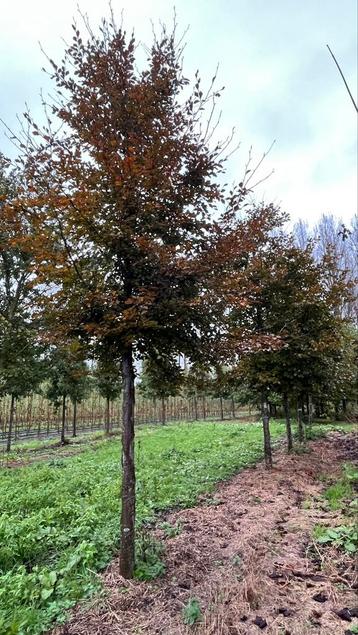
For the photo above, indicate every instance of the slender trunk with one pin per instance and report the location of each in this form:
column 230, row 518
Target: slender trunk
column 266, row 429
column 336, row 411
column 300, row 422
column 63, row 420
column 74, row 420
column 310, row 409
column 286, row 407
column 127, row 553
column 196, row 408
column 344, row 405
column 163, row 413
column 233, row 407
column 107, row 416
column 221, row 409
column 11, row 423
column 204, row 408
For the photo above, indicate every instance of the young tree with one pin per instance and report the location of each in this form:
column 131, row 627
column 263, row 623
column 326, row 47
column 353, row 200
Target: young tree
column 66, row 377
column 123, row 202
column 20, row 366
column 108, row 381
column 160, row 379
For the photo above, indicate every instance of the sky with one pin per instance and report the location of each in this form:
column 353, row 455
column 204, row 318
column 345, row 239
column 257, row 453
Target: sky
column 281, row 84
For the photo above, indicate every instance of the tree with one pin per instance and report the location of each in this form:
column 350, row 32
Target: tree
column 123, row 203
column 161, row 378
column 221, row 386
column 293, row 304
column 20, row 364
column 108, row 381
column 197, row 385
column 66, row 377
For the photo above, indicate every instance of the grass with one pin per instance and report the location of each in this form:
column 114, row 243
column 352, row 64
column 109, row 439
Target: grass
column 341, row 496
column 59, row 519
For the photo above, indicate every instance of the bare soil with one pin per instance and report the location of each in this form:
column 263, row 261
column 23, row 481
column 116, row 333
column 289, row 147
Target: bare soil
column 246, row 555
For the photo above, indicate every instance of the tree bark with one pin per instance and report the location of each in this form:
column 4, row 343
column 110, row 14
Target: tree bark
column 221, row 409
column 310, row 409
column 286, row 407
column 196, row 408
column 11, row 423
column 63, row 420
column 163, row 411
column 204, row 408
column 74, row 420
column 107, row 416
column 127, row 553
column 300, row 422
column 233, row 407
column 266, row 429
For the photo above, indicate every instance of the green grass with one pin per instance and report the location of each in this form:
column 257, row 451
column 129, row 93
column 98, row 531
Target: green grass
column 341, row 496
column 59, row 519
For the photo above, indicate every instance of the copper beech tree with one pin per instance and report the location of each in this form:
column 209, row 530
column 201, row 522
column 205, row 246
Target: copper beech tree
column 131, row 231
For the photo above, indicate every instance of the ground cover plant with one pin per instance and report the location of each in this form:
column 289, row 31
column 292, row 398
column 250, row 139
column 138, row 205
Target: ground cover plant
column 59, row 518
column 341, row 495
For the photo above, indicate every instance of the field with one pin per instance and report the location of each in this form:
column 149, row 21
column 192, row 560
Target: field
column 59, row 520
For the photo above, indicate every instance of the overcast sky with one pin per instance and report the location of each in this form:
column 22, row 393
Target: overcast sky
column 281, row 83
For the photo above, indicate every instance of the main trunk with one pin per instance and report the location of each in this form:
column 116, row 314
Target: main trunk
column 310, row 409
column 266, row 429
column 11, row 423
column 63, row 420
column 233, row 407
column 286, row 407
column 107, row 416
column 127, row 554
column 300, row 422
column 74, row 420
column 196, row 408
column 163, row 413
column 221, row 409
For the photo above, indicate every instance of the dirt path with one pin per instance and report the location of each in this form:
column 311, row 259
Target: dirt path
column 243, row 555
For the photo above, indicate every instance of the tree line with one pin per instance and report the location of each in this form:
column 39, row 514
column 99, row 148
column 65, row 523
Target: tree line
column 120, row 241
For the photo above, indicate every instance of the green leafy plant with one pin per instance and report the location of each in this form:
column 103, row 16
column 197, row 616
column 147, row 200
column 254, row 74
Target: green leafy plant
column 344, row 537
column 191, row 612
column 171, row 530
column 149, row 564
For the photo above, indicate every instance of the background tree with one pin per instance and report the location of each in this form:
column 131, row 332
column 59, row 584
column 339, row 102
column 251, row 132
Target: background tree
column 108, row 381
column 66, row 377
column 160, row 379
column 20, row 366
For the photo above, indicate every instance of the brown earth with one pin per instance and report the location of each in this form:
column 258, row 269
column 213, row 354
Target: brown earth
column 246, row 556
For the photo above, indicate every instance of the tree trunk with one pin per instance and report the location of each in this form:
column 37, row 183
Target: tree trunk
column 336, row 411
column 107, row 416
column 233, row 407
column 266, row 429
column 63, row 420
column 11, row 423
column 163, row 411
column 74, row 420
column 300, row 422
column 204, row 408
column 196, row 408
column 127, row 553
column 286, row 407
column 221, row 409
column 310, row 409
